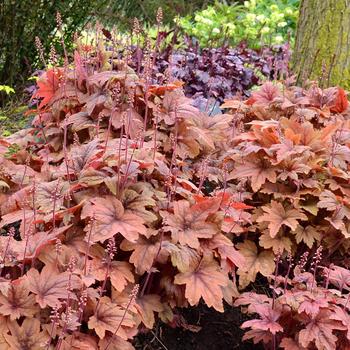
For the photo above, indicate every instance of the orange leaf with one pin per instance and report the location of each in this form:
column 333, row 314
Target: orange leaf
column 111, row 218
column 146, row 306
column 26, row 336
column 107, row 317
column 47, row 85
column 160, row 90
column 341, row 102
column 50, row 286
column 206, row 282
column 240, row 206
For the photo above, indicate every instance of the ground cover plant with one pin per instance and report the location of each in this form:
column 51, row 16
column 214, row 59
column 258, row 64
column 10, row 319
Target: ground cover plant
column 124, row 203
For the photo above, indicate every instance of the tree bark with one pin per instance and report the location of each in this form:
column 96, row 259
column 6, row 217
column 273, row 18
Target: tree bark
column 322, row 48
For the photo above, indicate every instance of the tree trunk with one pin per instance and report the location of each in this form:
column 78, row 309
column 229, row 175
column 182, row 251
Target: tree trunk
column 322, row 48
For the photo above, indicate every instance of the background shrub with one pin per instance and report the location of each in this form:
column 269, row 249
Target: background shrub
column 256, row 22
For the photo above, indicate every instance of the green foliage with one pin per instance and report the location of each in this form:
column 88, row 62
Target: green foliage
column 7, row 89
column 257, row 22
column 122, row 12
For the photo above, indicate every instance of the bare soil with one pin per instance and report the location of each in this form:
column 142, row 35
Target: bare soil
column 218, row 331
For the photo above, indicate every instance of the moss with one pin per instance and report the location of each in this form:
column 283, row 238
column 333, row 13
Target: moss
column 322, row 47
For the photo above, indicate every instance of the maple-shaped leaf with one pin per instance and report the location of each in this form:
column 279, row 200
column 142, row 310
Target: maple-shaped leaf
column 267, row 322
column 229, row 255
column 329, row 201
column 136, row 200
column 254, row 263
column 320, row 330
column 144, row 253
column 27, row 336
column 50, row 286
column 114, row 343
column 188, row 224
column 204, row 282
column 48, row 84
column 17, row 301
column 110, row 218
column 30, row 249
column 79, row 341
column 279, row 243
column 287, row 150
column 133, row 121
column 146, row 306
column 183, row 257
column 258, row 172
column 120, row 272
column 80, row 121
column 277, row 215
column 266, row 94
column 177, row 106
column 257, row 335
column 311, row 305
column 339, row 277
column 341, row 314
column 309, row 235
column 252, row 300
column 108, row 317
column 83, row 157
column 50, row 195
column 321, row 98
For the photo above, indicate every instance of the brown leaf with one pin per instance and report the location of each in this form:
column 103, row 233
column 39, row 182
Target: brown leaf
column 79, row 341
column 206, row 282
column 257, row 172
column 26, row 336
column 320, row 330
column 276, row 215
column 254, row 262
column 120, row 273
column 279, row 244
column 51, row 286
column 17, row 302
column 108, row 317
column 110, row 218
column 188, row 224
column 143, row 255
column 146, row 306
column 309, row 235
column 116, row 343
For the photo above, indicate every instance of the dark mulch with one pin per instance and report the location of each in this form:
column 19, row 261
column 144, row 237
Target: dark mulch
column 219, row 331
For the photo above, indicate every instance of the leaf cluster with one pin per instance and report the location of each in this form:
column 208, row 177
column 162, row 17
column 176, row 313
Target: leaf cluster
column 107, row 216
column 304, row 312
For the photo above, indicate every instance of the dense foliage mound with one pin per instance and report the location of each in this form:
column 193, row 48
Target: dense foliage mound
column 124, row 202
column 219, row 74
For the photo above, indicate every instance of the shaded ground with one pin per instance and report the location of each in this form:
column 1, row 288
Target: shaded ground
column 219, row 331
